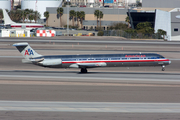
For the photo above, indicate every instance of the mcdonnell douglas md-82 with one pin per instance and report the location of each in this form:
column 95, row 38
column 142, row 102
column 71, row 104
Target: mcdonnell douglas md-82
column 90, row 61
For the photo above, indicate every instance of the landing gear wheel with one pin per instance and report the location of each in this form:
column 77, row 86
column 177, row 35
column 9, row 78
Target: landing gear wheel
column 163, row 68
column 83, row 70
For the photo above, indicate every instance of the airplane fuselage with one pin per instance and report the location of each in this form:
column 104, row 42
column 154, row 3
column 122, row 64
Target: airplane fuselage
column 103, row 60
column 25, row 25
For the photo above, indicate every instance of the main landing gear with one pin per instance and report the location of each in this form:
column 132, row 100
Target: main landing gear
column 163, row 67
column 83, row 70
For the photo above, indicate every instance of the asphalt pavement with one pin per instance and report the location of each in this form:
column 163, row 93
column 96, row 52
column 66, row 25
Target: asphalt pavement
column 32, row 92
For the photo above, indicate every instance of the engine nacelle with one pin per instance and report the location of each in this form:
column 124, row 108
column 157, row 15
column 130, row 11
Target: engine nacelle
column 51, row 62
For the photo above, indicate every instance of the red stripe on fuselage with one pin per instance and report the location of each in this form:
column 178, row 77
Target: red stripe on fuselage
column 16, row 26
column 109, row 61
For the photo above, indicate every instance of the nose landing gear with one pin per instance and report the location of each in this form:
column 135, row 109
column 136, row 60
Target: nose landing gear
column 163, row 67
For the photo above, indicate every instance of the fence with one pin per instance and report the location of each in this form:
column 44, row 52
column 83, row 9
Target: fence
column 122, row 33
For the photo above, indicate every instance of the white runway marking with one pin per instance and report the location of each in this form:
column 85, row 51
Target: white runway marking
column 90, row 107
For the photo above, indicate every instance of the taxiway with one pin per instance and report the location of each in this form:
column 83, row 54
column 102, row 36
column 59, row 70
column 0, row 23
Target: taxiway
column 31, row 92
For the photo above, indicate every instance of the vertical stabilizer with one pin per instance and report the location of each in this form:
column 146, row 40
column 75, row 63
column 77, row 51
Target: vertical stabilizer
column 7, row 19
column 26, row 51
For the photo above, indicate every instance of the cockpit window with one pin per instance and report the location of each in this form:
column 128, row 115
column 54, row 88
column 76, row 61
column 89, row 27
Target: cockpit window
column 161, row 57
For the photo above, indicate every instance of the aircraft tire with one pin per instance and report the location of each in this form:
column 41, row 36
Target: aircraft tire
column 83, row 70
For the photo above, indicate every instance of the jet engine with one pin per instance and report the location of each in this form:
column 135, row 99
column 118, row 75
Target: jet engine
column 50, row 62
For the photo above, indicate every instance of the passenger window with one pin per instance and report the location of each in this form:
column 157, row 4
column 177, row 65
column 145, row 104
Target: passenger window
column 90, row 59
column 98, row 59
column 175, row 29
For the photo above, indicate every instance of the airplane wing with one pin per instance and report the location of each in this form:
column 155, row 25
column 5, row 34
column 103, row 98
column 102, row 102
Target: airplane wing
column 88, row 65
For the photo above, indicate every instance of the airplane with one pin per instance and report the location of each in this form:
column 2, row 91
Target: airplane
column 90, row 61
column 8, row 21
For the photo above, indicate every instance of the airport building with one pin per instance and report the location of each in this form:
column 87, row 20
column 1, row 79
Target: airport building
column 110, row 17
column 93, row 3
column 158, row 18
column 163, row 14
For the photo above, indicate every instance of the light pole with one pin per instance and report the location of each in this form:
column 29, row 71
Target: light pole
column 67, row 17
column 99, row 16
column 118, row 10
column 76, row 14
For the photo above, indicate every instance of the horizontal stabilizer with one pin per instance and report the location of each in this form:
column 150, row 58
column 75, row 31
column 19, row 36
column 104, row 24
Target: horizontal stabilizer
column 27, row 61
column 21, row 44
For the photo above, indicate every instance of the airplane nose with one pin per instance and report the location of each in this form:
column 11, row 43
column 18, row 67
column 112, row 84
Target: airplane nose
column 169, row 62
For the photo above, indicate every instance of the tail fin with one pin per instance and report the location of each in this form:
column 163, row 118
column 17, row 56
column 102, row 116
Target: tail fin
column 7, row 19
column 26, row 51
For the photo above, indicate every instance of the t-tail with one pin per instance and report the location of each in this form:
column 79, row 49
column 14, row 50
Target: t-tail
column 26, row 51
column 7, row 19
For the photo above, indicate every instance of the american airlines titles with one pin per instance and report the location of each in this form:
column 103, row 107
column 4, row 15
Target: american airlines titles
column 135, row 56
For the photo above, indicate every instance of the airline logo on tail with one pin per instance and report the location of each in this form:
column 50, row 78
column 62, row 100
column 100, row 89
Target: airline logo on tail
column 29, row 52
